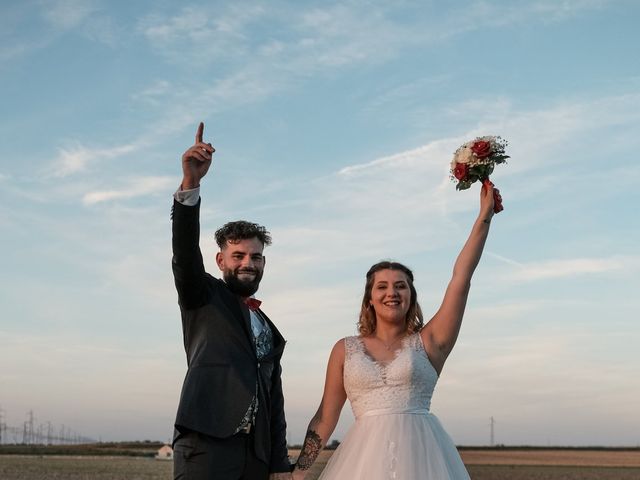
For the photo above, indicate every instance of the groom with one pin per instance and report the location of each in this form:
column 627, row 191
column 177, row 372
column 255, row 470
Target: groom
column 230, row 423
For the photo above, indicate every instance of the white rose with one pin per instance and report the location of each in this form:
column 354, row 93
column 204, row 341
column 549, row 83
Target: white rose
column 463, row 155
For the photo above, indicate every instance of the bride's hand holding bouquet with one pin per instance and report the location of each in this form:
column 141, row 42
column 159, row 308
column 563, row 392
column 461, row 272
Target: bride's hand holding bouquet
column 475, row 160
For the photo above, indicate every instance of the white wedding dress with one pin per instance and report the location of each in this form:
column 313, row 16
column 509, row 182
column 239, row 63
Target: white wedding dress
column 394, row 435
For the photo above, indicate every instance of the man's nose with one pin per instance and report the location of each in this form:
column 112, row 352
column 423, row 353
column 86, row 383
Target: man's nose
column 248, row 262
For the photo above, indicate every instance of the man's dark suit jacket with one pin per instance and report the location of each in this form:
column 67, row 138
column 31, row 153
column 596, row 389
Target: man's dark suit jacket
column 222, row 363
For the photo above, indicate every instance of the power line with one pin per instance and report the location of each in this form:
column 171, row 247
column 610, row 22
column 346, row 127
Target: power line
column 492, row 438
column 33, row 432
column 3, row 427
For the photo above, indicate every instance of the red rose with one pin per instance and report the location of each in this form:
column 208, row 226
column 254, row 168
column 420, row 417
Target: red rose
column 461, row 171
column 481, row 148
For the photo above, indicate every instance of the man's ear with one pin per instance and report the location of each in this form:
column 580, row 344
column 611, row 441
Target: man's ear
column 219, row 260
column 264, row 261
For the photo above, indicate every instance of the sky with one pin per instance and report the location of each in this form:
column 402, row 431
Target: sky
column 334, row 125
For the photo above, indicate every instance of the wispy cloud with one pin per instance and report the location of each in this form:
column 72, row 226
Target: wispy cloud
column 572, row 267
column 207, row 34
column 137, row 187
column 77, row 158
column 430, row 153
column 67, row 14
column 480, row 15
column 154, row 92
column 329, row 225
column 532, row 133
column 104, row 30
column 385, row 200
column 549, row 10
column 10, row 51
column 338, row 34
column 308, row 42
column 318, row 40
column 50, row 20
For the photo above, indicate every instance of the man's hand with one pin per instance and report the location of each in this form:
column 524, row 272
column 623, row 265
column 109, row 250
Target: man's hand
column 196, row 161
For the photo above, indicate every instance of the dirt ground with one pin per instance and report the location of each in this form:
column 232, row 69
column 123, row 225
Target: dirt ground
column 48, row 467
column 583, row 458
column 482, row 465
column 537, row 464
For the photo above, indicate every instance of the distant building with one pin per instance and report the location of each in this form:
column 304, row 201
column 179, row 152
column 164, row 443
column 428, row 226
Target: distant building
column 165, row 453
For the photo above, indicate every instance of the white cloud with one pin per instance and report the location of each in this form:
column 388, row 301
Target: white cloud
column 550, row 10
column 205, row 34
column 103, row 29
column 67, row 14
column 187, row 23
column 312, row 41
column 154, row 92
column 59, row 16
column 415, row 158
column 482, row 15
column 10, row 51
column 531, row 134
column 137, row 187
column 405, row 202
column 566, row 267
column 571, row 268
column 72, row 160
column 77, row 158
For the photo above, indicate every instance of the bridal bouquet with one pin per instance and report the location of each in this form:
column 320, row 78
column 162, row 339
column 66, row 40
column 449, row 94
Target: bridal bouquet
column 475, row 160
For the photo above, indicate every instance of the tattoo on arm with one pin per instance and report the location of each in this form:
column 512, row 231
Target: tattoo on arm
column 310, row 450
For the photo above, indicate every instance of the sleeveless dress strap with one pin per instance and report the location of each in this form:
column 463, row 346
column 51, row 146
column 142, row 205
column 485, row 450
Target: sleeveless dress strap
column 350, row 347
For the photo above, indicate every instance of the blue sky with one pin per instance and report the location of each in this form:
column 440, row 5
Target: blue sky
column 334, row 124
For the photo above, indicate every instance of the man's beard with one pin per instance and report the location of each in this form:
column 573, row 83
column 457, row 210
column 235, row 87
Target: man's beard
column 244, row 288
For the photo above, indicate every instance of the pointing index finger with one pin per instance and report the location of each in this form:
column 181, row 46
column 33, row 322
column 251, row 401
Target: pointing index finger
column 199, row 133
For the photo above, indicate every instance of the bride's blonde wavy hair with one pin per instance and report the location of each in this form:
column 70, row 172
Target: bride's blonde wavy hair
column 367, row 321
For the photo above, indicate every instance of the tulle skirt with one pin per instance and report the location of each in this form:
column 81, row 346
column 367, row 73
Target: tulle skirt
column 399, row 446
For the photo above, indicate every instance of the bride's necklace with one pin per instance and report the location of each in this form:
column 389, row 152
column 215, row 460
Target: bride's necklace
column 389, row 345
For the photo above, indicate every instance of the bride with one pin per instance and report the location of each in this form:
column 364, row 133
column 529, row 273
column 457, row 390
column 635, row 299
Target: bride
column 389, row 372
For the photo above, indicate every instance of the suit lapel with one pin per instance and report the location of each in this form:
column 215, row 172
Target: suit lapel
column 246, row 319
column 241, row 315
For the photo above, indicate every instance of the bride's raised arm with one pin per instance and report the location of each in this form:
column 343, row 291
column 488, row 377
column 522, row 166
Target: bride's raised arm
column 441, row 332
column 326, row 418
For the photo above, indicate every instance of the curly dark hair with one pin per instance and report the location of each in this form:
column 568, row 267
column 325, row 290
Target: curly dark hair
column 367, row 320
column 241, row 230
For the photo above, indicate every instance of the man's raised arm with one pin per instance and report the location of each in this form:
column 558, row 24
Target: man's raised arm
column 187, row 264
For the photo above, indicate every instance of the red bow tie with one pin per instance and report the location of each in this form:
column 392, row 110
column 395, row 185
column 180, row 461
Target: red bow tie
column 252, row 303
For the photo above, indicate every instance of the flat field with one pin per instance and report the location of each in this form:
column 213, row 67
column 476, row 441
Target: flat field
column 537, row 464
column 482, row 465
column 50, row 467
column 542, row 464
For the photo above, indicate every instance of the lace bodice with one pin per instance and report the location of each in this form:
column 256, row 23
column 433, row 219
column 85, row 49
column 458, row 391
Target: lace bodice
column 404, row 384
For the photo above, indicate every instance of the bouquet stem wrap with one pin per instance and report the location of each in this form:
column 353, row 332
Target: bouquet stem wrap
column 497, row 198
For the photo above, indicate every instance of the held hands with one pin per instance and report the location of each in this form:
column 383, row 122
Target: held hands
column 196, row 161
column 298, row 474
column 280, row 476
